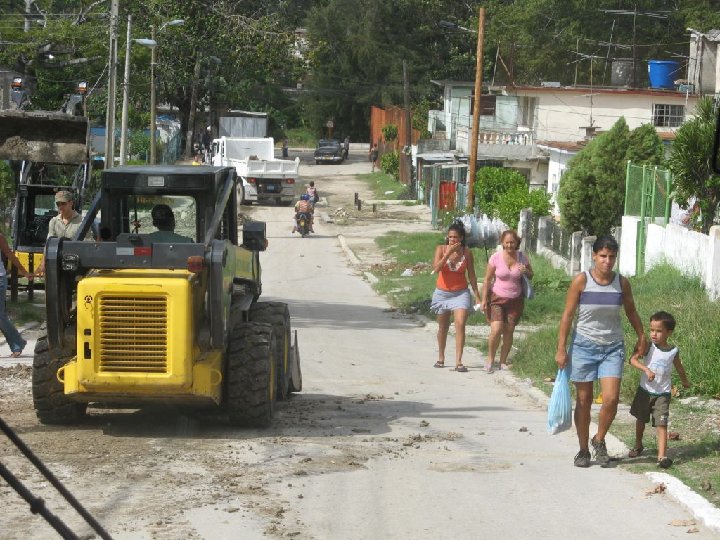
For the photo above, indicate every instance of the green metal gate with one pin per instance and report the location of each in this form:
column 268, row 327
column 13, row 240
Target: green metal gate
column 647, row 195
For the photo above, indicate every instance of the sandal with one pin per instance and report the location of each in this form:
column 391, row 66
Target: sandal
column 489, row 367
column 664, row 462
column 16, row 354
column 439, row 364
column 635, row 452
column 460, row 368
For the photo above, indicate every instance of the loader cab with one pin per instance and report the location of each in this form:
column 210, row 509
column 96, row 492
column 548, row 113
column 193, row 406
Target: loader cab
column 35, row 204
column 129, row 195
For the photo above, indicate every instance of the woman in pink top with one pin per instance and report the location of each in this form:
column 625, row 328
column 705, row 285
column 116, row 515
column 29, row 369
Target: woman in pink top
column 502, row 296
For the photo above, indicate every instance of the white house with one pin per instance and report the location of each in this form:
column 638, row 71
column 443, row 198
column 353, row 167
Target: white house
column 537, row 129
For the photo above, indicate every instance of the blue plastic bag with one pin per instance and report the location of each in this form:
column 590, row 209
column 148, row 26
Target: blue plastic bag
column 560, row 406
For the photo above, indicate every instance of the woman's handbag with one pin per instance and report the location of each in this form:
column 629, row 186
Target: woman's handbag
column 560, row 405
column 527, row 289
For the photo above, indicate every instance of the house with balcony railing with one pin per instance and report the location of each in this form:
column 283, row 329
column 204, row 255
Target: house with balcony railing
column 537, row 129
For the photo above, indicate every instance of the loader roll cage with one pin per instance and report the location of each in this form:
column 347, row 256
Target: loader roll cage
column 68, row 260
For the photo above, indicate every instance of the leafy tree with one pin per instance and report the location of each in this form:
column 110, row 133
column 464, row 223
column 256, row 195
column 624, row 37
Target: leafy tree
column 356, row 51
column 390, row 132
column 690, row 160
column 242, row 51
column 503, row 193
column 390, row 164
column 645, row 146
column 592, row 191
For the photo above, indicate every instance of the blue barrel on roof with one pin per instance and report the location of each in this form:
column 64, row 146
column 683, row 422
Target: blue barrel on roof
column 663, row 73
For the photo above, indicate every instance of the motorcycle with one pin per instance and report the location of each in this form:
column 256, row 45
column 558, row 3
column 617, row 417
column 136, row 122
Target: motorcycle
column 303, row 223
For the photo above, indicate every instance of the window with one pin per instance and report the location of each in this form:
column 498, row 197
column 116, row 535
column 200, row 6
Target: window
column 668, row 115
column 487, row 105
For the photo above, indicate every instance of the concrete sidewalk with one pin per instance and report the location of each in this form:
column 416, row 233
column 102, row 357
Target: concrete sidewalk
column 703, row 511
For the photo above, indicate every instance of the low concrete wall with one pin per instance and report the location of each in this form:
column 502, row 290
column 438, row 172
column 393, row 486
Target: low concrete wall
column 693, row 253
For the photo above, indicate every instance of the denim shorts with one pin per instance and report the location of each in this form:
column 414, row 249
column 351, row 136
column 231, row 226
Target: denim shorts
column 591, row 360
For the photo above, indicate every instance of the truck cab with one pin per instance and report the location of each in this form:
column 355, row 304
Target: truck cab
column 262, row 178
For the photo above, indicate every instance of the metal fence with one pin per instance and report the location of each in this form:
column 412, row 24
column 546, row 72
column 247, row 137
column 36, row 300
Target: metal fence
column 647, row 192
column 647, row 195
column 173, row 149
column 444, row 189
column 552, row 236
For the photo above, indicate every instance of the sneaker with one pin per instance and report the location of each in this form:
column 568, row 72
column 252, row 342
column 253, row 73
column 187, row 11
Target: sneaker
column 600, row 451
column 582, row 459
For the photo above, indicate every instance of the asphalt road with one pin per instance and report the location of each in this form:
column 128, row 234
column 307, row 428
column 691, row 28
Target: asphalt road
column 378, row 445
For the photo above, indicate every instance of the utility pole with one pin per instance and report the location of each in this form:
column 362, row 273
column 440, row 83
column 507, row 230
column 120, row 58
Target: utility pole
column 28, row 9
column 153, row 105
column 472, row 164
column 112, row 80
column 406, row 168
column 126, row 91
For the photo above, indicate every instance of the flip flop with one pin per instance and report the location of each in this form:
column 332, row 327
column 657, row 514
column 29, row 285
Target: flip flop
column 460, row 368
column 439, row 364
column 489, row 368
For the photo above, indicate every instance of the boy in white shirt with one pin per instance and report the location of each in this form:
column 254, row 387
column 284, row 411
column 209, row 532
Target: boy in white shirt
column 655, row 391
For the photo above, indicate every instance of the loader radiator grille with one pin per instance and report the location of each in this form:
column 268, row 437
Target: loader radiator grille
column 133, row 334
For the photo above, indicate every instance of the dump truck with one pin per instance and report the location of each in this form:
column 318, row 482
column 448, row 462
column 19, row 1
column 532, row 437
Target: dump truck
column 147, row 315
column 48, row 151
column 262, row 177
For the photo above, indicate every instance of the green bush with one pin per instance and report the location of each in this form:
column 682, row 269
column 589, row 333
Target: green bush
column 390, row 164
column 139, row 143
column 503, row 193
column 390, row 132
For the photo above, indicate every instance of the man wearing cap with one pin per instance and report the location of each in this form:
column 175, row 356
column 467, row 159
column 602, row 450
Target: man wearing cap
column 68, row 221
column 164, row 220
column 65, row 224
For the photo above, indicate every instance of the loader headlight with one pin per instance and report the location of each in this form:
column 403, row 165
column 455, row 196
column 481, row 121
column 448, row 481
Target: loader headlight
column 70, row 262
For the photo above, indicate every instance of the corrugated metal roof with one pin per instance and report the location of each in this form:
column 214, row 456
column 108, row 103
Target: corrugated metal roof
column 713, row 35
column 562, row 145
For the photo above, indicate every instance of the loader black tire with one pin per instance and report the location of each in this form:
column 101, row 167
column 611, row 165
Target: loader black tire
column 51, row 404
column 278, row 315
column 250, row 384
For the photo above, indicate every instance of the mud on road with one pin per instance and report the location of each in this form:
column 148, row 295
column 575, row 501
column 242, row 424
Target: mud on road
column 161, row 474
column 167, row 473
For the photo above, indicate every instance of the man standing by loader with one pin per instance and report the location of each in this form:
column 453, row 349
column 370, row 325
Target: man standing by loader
column 65, row 224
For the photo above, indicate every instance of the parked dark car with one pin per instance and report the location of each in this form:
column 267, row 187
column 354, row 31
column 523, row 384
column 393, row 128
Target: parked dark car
column 329, row 151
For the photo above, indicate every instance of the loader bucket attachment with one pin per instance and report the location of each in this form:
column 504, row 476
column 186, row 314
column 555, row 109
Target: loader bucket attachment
column 43, row 137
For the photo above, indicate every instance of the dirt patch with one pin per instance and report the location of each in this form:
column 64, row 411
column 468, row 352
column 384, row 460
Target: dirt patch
column 144, row 471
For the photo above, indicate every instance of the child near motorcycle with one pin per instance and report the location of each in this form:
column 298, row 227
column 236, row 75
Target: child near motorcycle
column 304, row 206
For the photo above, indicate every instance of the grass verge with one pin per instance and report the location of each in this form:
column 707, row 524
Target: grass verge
column 385, row 187
column 300, row 137
column 697, row 452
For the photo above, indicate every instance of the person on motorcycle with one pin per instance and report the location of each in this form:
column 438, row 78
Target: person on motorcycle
column 304, row 206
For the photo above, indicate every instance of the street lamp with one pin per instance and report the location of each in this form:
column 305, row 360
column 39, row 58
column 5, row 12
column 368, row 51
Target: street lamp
column 126, row 90
column 475, row 133
column 153, row 105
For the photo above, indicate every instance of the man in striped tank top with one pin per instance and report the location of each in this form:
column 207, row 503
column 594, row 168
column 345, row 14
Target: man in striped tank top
column 597, row 348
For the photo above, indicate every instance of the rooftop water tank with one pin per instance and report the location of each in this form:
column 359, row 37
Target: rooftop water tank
column 663, row 73
column 622, row 72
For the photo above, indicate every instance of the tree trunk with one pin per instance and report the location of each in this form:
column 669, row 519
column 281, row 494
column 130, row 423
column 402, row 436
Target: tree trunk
column 193, row 105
